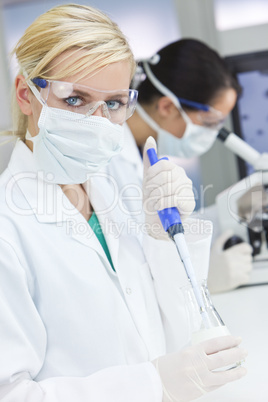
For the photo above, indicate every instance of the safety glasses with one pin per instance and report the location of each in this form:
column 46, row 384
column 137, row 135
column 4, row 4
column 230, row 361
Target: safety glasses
column 207, row 115
column 117, row 105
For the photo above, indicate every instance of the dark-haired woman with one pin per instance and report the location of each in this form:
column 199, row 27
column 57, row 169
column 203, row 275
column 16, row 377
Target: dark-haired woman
column 186, row 95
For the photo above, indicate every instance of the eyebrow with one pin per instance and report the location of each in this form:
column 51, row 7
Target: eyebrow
column 79, row 92
column 88, row 95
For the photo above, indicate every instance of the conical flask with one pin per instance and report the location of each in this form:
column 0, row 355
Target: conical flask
column 198, row 329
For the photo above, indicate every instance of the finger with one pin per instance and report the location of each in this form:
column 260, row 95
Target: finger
column 164, row 186
column 238, row 261
column 242, row 248
column 159, row 178
column 176, row 189
column 164, row 167
column 220, row 343
column 221, row 240
column 185, row 202
column 244, row 268
column 226, row 358
column 243, row 279
column 223, row 377
column 150, row 143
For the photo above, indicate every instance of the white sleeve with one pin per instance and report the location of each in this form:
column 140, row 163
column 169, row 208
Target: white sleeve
column 169, row 277
column 139, row 383
column 210, row 213
column 23, row 348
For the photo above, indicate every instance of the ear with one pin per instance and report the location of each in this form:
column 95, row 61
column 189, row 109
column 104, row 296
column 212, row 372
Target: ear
column 166, row 107
column 22, row 95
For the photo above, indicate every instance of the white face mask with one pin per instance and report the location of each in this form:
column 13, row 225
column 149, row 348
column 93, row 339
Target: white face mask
column 196, row 139
column 69, row 146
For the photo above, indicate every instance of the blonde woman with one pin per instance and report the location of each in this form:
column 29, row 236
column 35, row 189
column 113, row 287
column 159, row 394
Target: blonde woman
column 84, row 312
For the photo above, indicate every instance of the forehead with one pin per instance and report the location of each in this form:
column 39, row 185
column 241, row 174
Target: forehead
column 225, row 101
column 111, row 77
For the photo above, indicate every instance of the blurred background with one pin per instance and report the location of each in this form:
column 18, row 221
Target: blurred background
column 232, row 27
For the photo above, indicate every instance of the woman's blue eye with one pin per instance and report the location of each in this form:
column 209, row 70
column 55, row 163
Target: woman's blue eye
column 113, row 105
column 74, row 101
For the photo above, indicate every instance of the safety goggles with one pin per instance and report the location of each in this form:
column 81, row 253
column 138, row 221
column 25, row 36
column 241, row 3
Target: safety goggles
column 207, row 115
column 117, row 105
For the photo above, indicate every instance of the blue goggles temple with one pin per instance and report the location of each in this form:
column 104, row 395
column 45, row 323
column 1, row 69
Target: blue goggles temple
column 40, row 82
column 195, row 105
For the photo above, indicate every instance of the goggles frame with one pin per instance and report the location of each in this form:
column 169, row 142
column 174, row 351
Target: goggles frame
column 202, row 116
column 93, row 106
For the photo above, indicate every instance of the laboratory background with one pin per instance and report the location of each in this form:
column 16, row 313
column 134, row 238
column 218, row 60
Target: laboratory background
column 238, row 30
column 232, row 27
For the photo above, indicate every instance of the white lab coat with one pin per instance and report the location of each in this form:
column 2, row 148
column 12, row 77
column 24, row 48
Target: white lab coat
column 72, row 329
column 6, row 148
column 125, row 171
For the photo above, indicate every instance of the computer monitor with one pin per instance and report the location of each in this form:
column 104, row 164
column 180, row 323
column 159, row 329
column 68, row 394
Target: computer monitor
column 250, row 115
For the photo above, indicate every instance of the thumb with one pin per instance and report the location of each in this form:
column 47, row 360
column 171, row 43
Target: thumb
column 150, row 143
column 220, row 241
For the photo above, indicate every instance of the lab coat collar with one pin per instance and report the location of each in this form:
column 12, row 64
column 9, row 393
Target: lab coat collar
column 130, row 150
column 46, row 200
column 50, row 205
column 97, row 189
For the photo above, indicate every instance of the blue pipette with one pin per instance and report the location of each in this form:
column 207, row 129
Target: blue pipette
column 171, row 221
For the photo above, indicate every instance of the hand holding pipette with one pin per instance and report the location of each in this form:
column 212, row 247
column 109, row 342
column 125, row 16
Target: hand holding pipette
column 189, row 373
column 167, row 189
column 165, row 185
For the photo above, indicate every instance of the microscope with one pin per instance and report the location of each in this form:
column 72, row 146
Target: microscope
column 243, row 207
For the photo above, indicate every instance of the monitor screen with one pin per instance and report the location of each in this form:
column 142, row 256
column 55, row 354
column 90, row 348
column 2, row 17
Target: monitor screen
column 250, row 115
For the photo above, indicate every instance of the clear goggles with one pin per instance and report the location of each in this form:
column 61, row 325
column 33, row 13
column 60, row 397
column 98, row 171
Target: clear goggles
column 117, row 105
column 207, row 115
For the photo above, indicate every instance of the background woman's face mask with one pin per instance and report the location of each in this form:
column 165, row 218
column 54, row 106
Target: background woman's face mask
column 196, row 139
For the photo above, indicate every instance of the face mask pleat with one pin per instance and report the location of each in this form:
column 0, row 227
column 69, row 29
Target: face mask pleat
column 72, row 149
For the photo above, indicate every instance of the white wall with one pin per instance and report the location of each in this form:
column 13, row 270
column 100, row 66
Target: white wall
column 5, row 113
column 243, row 40
column 5, row 117
column 148, row 25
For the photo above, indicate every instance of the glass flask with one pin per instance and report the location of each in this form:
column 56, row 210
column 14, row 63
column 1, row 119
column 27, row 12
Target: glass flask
column 201, row 330
column 214, row 327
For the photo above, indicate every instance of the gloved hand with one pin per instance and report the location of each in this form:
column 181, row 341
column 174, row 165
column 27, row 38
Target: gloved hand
column 165, row 185
column 228, row 268
column 262, row 162
column 188, row 374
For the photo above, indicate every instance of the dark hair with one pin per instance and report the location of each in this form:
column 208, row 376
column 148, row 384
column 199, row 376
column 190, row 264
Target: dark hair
column 191, row 70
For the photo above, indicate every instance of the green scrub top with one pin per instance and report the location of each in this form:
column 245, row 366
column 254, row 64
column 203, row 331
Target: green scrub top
column 96, row 227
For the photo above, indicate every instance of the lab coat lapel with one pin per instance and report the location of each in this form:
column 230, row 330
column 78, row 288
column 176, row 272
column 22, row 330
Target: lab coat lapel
column 87, row 237
column 101, row 197
column 47, row 201
column 82, row 232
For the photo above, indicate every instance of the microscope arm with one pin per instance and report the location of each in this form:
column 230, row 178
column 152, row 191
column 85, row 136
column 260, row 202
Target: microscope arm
column 239, row 147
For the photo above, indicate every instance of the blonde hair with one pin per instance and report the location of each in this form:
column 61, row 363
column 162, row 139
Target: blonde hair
column 69, row 27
